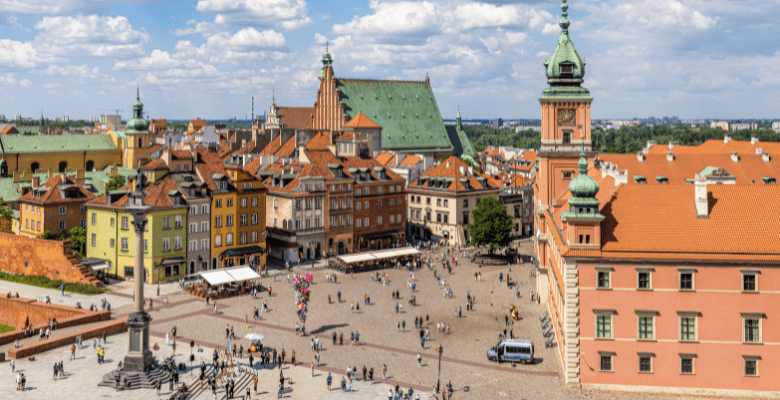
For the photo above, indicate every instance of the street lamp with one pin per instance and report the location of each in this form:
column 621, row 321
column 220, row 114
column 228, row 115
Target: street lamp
column 159, row 268
column 438, row 379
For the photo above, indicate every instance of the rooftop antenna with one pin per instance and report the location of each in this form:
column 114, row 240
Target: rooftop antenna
column 253, row 109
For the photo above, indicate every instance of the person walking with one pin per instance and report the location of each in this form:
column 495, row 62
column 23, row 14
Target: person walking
column 384, row 371
column 419, row 360
column 254, row 382
column 72, row 352
column 56, row 366
column 13, row 365
column 159, row 385
column 329, row 380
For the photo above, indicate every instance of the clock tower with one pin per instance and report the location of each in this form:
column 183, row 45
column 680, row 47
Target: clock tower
column 565, row 120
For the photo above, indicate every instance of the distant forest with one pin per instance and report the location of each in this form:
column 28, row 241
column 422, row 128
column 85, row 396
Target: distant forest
column 623, row 140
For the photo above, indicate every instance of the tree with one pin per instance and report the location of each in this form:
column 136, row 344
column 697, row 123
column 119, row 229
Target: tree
column 492, row 225
column 46, row 235
column 78, row 239
column 116, row 182
column 6, row 215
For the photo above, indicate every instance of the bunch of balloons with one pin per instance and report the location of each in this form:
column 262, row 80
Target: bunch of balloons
column 302, row 294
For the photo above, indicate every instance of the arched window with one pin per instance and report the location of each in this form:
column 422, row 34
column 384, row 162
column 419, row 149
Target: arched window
column 284, row 224
column 140, row 142
column 34, row 167
column 90, row 165
column 3, row 168
column 63, row 166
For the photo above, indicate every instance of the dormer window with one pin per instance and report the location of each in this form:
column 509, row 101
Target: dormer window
column 567, row 71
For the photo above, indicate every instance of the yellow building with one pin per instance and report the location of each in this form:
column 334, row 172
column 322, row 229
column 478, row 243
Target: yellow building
column 138, row 141
column 57, row 153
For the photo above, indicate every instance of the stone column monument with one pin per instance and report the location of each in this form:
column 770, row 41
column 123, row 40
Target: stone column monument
column 139, row 357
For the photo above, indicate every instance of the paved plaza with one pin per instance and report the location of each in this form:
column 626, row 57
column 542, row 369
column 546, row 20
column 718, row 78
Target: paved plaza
column 381, row 342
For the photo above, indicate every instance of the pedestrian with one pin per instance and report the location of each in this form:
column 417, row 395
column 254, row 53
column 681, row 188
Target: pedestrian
column 151, row 303
column 248, row 394
column 384, row 371
column 312, row 370
column 255, row 383
column 159, row 385
column 13, row 365
column 329, row 380
column 334, row 338
column 72, row 352
column 56, row 366
column 419, row 360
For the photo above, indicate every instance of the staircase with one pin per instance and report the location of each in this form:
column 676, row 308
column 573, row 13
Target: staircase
column 242, row 381
column 137, row 380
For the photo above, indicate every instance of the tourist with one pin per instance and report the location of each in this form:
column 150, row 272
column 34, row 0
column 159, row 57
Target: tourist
column 72, row 352
column 384, row 371
column 329, row 380
column 13, row 365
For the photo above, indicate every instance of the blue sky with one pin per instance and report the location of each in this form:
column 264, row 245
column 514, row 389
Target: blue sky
column 207, row 58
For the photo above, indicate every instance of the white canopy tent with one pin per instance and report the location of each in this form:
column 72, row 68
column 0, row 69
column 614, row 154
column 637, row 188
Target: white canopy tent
column 377, row 255
column 243, row 273
column 217, row 277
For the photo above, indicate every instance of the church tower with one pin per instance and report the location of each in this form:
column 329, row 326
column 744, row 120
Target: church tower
column 138, row 140
column 565, row 119
column 328, row 109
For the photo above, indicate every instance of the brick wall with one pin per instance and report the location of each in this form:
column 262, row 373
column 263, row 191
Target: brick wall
column 109, row 328
column 14, row 312
column 49, row 258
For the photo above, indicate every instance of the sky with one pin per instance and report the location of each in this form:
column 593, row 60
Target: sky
column 208, row 58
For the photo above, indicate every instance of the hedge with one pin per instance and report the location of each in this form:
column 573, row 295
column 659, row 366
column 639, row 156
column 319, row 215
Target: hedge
column 44, row 282
column 5, row 328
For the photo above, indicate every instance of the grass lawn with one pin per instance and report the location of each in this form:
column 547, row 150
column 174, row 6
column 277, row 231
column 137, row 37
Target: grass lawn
column 41, row 281
column 5, row 328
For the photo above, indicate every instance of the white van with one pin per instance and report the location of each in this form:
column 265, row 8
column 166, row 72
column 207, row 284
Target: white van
column 521, row 351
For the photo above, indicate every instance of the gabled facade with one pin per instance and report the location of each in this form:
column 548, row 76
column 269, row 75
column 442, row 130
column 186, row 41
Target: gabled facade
column 55, row 206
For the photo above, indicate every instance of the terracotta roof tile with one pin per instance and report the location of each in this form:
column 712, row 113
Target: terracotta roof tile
column 451, row 169
column 361, row 121
column 54, row 195
column 295, row 117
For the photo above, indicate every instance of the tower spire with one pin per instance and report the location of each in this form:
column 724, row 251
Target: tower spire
column 137, row 92
column 564, row 18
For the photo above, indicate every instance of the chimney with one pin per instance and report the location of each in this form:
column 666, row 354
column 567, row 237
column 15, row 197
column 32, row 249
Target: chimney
column 16, row 177
column 66, row 249
column 726, row 138
column 669, row 156
column 79, row 174
column 640, row 156
column 672, row 144
column 49, row 174
column 753, row 139
column 734, row 156
column 36, row 181
column 448, row 164
column 765, row 157
column 462, row 170
column 701, row 201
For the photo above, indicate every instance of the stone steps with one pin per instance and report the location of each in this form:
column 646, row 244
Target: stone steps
column 137, row 380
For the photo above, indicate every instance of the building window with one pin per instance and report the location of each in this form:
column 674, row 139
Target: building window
column 605, row 362
column 428, row 200
column 166, row 223
column 646, row 363
column 62, row 225
column 204, row 209
column 166, row 244
column 365, row 205
column 465, row 202
column 392, row 219
column 146, row 247
column 228, row 220
column 379, row 220
column 243, row 237
column 218, row 203
column 177, row 242
column 379, row 204
column 254, row 219
column 177, row 221
column 566, row 137
column 63, row 210
column 365, row 222
column 243, row 219
column 686, row 364
column 751, row 324
column 124, row 244
column 94, row 219
column 204, row 244
column 193, row 245
column 438, row 202
column 124, row 222
column 94, row 239
column 686, row 280
column 646, row 322
column 568, row 174
column 751, row 365
column 230, row 202
column 749, row 281
column 358, row 223
column 84, row 223
column 243, row 202
column 111, row 242
column 229, row 239
column 254, row 236
column 687, row 326
column 603, row 279
column 218, row 221
column 254, row 201
column 113, row 222
column 604, row 325
column 643, row 279
column 218, row 241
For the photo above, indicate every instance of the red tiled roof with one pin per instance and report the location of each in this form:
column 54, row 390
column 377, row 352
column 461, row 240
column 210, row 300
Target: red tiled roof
column 53, row 194
column 181, row 155
column 9, row 129
column 198, row 123
column 155, row 164
column 361, row 121
column 295, row 117
column 450, row 168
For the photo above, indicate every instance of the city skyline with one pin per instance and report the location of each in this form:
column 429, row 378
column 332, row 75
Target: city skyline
column 82, row 58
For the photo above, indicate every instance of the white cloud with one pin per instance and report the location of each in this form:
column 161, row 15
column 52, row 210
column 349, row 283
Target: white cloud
column 25, row 83
column 285, row 14
column 203, row 28
column 17, row 54
column 55, row 7
column 89, row 35
column 10, row 80
column 79, row 71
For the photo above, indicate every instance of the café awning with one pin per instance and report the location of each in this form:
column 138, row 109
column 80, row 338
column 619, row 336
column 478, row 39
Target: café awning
column 243, row 273
column 377, row 255
column 217, row 277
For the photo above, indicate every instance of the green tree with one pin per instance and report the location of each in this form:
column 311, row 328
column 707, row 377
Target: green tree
column 492, row 225
column 46, row 235
column 116, row 182
column 78, row 239
column 5, row 211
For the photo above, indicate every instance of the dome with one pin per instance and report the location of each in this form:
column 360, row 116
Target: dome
column 137, row 124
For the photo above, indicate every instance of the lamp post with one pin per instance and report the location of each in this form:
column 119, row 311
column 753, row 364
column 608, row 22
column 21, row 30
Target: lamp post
column 438, row 379
column 159, row 268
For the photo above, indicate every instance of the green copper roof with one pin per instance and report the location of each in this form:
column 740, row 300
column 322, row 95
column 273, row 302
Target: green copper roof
column 583, row 190
column 25, row 144
column 137, row 124
column 565, row 69
column 406, row 111
column 461, row 145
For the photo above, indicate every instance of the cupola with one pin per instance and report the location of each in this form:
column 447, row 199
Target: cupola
column 137, row 124
column 565, row 69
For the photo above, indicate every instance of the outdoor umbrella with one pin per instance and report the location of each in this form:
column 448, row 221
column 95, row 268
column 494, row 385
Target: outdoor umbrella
column 254, row 337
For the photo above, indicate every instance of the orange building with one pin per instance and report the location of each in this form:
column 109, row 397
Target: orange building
column 56, row 206
column 659, row 271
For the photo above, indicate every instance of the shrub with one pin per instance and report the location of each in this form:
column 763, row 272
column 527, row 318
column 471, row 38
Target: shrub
column 44, row 282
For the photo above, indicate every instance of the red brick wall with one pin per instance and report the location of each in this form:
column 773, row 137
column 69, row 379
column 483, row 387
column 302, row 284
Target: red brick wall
column 14, row 312
column 109, row 328
column 49, row 258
